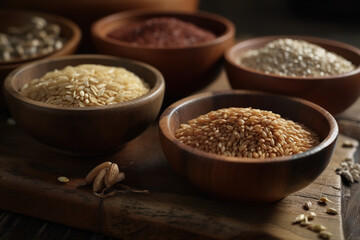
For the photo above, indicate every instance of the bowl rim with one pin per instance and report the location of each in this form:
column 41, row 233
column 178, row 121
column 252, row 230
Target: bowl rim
column 229, row 32
column 315, row 40
column 69, row 44
column 157, row 89
column 165, row 121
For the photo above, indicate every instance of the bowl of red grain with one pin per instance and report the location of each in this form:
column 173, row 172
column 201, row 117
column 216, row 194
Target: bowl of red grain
column 186, row 47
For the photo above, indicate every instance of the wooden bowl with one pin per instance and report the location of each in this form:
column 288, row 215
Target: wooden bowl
column 248, row 179
column 185, row 69
column 84, row 13
column 334, row 93
column 69, row 31
column 89, row 130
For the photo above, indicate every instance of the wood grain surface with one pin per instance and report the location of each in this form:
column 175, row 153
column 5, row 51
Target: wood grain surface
column 173, row 209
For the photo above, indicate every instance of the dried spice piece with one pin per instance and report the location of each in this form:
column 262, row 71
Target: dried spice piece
column 307, row 205
column 98, row 185
column 90, row 177
column 112, row 175
column 63, row 179
column 105, row 178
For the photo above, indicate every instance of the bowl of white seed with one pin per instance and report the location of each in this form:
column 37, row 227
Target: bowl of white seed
column 26, row 36
column 323, row 71
column 247, row 146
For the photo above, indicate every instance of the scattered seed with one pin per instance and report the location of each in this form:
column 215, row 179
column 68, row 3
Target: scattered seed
column 90, row 177
column 98, row 185
column 332, row 211
column 311, row 215
column 347, row 176
column 317, row 227
column 324, row 200
column 349, row 160
column 63, row 179
column 305, row 222
column 325, row 235
column 10, row 122
column 299, row 219
column 356, row 177
column 348, row 144
column 307, row 205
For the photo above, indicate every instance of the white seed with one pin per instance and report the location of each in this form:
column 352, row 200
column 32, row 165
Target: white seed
column 324, row 200
column 311, row 215
column 344, row 165
column 347, row 144
column 305, row 222
column 356, row 177
column 347, row 176
column 299, row 218
column 63, row 179
column 349, row 160
column 10, row 122
column 307, row 205
column 317, row 227
column 332, row 211
column 357, row 166
column 325, row 235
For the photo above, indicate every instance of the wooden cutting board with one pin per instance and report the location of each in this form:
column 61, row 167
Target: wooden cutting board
column 172, row 210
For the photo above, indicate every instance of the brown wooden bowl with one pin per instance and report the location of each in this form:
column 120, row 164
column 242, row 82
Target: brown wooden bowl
column 84, row 13
column 185, row 69
column 89, row 130
column 248, row 179
column 334, row 93
column 69, row 31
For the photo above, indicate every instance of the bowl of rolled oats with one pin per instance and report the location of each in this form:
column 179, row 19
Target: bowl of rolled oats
column 323, row 71
column 84, row 104
column 26, row 36
column 247, row 146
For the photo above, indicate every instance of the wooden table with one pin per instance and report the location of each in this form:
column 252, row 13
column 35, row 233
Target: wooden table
column 199, row 216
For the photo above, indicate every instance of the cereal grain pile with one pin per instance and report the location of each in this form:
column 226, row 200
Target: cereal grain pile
column 86, row 85
column 246, row 132
column 288, row 57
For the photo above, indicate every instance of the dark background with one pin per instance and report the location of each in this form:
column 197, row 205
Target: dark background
column 337, row 20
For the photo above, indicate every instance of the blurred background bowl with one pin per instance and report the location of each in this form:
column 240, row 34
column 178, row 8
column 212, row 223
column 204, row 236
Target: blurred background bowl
column 84, row 13
column 248, row 179
column 70, row 32
column 185, row 69
column 334, row 93
column 89, row 130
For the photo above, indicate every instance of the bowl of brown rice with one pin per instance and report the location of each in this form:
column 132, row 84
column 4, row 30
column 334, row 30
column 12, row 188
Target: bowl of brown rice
column 322, row 71
column 247, row 146
column 84, row 104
